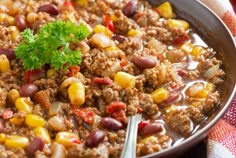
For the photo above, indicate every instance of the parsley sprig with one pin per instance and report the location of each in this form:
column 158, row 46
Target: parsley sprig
column 51, row 45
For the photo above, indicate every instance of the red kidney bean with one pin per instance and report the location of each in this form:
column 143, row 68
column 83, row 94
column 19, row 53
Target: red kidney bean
column 28, row 90
column 20, row 22
column 119, row 38
column 130, row 8
column 36, row 144
column 49, row 8
column 173, row 96
column 150, row 128
column 144, row 62
column 10, row 54
column 2, row 126
column 182, row 73
column 111, row 123
column 95, row 138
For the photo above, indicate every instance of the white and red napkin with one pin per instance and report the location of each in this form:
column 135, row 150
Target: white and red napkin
column 222, row 139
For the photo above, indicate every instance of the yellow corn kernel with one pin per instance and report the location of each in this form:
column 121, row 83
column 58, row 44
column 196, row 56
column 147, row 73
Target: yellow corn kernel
column 15, row 141
column 24, row 104
column 3, row 17
column 169, row 109
column 150, row 139
column 125, row 80
column 34, row 120
column 76, row 93
column 202, row 93
column 2, row 137
column 166, row 11
column 134, row 32
column 175, row 24
column 102, row 29
column 197, row 105
column 17, row 121
column 187, row 47
column 113, row 17
column 12, row 95
column 101, row 40
column 10, row 20
column 159, row 95
column 66, row 138
column 4, row 63
column 50, row 72
column 42, row 133
column 197, row 50
column 111, row 48
column 82, row 2
column 14, row 32
column 210, row 87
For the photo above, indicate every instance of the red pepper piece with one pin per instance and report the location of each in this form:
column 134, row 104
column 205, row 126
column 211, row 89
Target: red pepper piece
column 32, row 75
column 109, row 23
column 7, row 114
column 102, row 81
column 86, row 114
column 181, row 39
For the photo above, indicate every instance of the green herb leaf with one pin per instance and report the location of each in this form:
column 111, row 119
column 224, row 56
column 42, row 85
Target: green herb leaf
column 52, row 45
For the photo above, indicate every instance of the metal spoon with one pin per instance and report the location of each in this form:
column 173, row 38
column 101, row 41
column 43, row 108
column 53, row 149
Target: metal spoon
column 129, row 149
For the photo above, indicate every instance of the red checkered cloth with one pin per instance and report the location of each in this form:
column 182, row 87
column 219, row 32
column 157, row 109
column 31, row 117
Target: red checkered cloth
column 222, row 139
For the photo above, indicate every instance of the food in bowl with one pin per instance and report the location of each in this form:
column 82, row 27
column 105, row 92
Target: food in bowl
column 71, row 73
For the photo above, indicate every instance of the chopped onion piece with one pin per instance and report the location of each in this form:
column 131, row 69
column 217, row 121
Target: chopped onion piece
column 211, row 72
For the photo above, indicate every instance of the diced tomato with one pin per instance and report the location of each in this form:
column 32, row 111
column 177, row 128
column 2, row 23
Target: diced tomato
column 117, row 110
column 7, row 114
column 115, row 107
column 32, row 75
column 124, row 62
column 86, row 114
column 102, row 81
column 68, row 3
column 181, row 40
column 109, row 23
column 73, row 70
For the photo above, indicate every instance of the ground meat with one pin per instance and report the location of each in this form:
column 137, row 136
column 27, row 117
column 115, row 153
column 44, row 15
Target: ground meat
column 156, row 76
column 147, row 104
column 123, row 24
column 146, row 18
column 179, row 121
column 79, row 151
column 195, row 114
column 101, row 65
column 211, row 102
column 3, row 97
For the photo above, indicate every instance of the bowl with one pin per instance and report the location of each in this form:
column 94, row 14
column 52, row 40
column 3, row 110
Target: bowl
column 216, row 34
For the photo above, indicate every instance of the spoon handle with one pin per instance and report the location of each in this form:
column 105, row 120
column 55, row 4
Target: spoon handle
column 129, row 149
